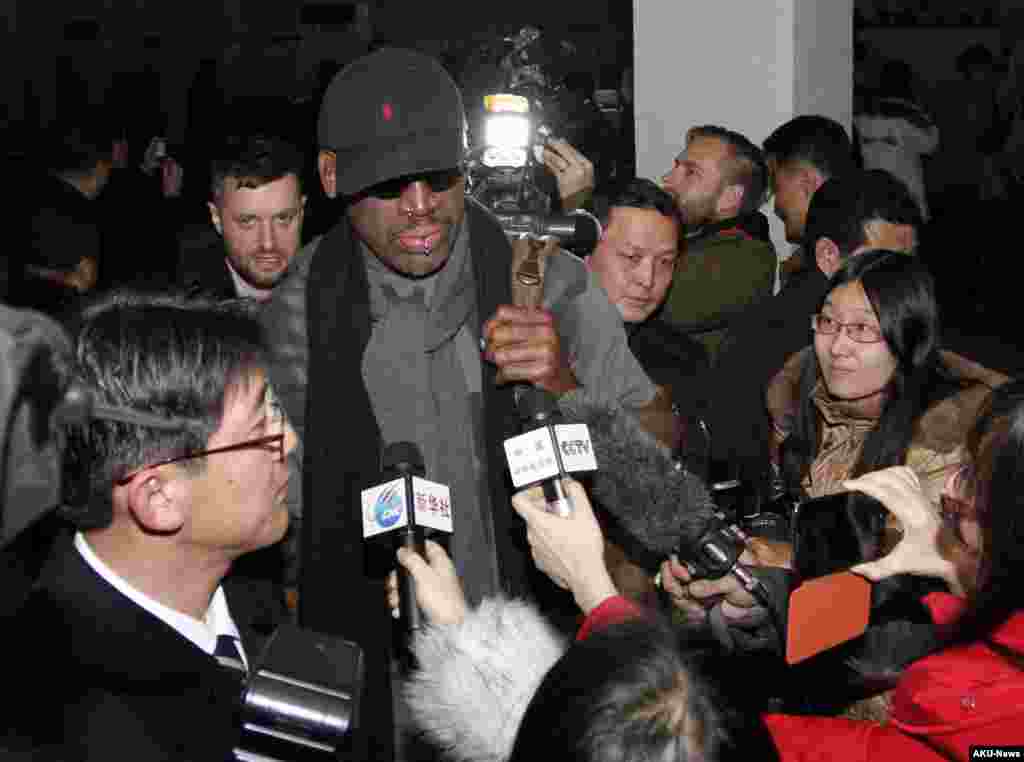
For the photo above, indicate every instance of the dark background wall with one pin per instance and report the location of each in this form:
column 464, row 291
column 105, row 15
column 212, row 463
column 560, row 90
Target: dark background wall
column 58, row 52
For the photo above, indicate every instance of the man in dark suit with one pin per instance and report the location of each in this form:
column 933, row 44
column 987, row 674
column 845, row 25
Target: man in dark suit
column 185, row 461
column 257, row 208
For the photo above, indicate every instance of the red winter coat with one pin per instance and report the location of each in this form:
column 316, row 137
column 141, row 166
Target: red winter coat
column 943, row 704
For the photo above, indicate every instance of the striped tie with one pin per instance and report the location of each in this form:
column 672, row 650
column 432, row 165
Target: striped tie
column 227, row 653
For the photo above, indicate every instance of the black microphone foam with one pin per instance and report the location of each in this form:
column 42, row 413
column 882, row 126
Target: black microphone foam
column 660, row 504
column 536, row 405
column 404, row 457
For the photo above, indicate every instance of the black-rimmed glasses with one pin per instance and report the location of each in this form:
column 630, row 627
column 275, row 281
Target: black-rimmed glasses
column 273, row 443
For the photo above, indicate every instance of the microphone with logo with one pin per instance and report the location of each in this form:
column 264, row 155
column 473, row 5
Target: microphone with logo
column 548, row 449
column 410, row 506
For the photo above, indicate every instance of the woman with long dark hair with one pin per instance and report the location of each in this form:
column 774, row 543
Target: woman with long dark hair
column 970, row 690
column 497, row 683
column 873, row 390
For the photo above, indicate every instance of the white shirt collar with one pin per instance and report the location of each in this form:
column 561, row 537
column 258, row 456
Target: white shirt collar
column 246, row 290
column 203, row 633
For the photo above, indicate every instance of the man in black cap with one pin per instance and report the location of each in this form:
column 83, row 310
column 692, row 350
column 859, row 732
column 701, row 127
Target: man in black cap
column 398, row 325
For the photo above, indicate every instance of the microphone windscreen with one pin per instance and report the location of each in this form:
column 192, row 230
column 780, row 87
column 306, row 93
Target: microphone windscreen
column 654, row 499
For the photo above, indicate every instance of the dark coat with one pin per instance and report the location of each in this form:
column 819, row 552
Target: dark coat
column 100, row 678
column 202, row 267
column 755, row 347
column 342, row 587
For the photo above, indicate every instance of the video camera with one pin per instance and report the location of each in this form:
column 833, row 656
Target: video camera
column 505, row 170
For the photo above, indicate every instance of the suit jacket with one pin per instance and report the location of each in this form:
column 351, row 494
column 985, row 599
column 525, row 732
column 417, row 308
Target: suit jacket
column 101, row 678
column 202, row 268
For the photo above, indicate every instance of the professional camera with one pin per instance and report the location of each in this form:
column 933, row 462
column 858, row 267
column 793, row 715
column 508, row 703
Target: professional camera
column 505, row 170
column 301, row 699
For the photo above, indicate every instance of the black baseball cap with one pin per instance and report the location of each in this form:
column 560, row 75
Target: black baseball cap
column 391, row 113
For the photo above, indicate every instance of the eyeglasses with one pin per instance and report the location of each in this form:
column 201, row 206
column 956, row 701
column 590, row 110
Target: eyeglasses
column 959, row 505
column 273, row 443
column 438, row 181
column 862, row 333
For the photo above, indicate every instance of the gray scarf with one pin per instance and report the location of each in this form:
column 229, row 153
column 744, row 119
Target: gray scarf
column 422, row 371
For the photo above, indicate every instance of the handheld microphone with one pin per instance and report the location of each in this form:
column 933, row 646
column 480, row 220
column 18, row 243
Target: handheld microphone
column 664, row 507
column 548, row 450
column 406, row 505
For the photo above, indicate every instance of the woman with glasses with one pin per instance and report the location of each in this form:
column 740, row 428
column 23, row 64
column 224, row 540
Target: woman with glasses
column 969, row 692
column 874, row 390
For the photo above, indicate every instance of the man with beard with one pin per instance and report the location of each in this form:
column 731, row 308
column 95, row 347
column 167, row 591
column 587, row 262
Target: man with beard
column 718, row 182
column 257, row 207
column 398, row 326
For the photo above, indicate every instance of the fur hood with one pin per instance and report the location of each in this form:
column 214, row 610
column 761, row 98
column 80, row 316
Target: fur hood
column 476, row 679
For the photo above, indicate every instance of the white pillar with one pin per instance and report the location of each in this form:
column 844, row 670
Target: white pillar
column 748, row 65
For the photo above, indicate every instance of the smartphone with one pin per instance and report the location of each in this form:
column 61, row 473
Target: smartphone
column 835, row 532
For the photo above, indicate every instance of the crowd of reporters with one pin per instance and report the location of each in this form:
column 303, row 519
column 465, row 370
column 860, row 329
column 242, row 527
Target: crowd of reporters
column 854, row 393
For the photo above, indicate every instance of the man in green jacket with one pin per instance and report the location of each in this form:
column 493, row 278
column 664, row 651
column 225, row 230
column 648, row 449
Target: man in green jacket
column 718, row 182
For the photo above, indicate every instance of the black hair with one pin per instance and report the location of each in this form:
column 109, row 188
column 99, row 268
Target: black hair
column 821, row 142
column 630, row 693
column 746, row 168
column 162, row 355
column 902, row 293
column 253, row 161
column 843, row 206
column 996, row 451
column 641, row 193
column 896, row 80
column 976, row 55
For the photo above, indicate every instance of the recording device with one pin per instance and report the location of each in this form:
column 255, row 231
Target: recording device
column 503, row 175
column 577, row 230
column 660, row 504
column 548, row 449
column 301, row 701
column 408, row 505
column 835, row 532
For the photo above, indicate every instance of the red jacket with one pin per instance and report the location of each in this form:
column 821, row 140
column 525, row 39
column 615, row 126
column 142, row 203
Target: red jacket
column 611, row 610
column 942, row 705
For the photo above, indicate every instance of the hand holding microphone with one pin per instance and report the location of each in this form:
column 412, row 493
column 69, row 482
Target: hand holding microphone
column 548, row 449
column 406, row 506
column 438, row 590
column 569, row 549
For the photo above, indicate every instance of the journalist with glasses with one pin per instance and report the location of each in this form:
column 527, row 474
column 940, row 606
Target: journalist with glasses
column 117, row 650
column 873, row 390
column 964, row 699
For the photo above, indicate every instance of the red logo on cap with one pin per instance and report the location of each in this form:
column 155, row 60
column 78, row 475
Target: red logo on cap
column 387, row 111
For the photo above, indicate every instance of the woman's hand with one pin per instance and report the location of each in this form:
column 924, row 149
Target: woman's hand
column 695, row 597
column 569, row 550
column 899, row 490
column 438, row 590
